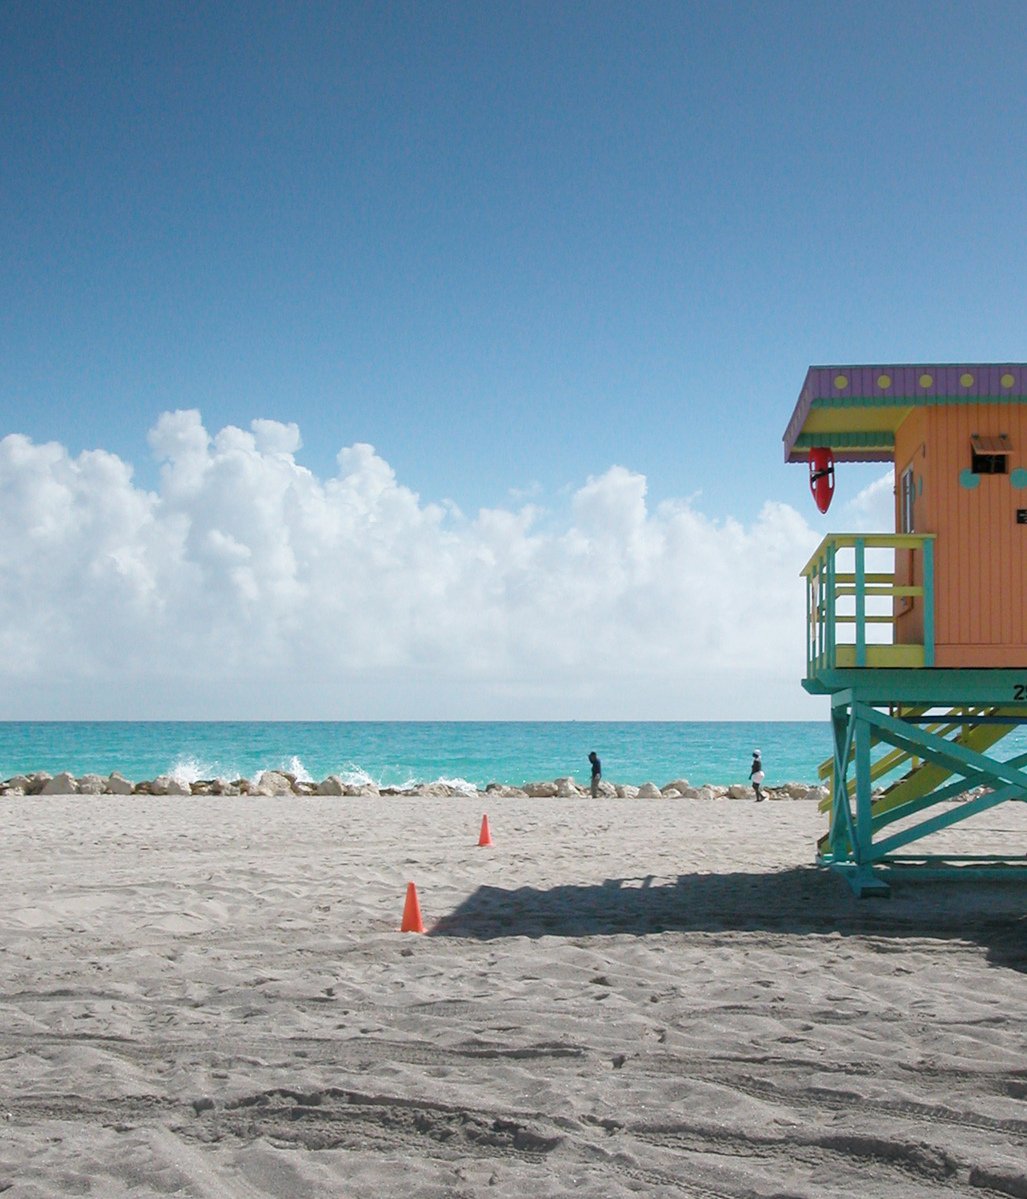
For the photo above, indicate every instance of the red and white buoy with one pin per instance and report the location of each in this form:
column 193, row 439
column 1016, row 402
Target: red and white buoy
column 821, row 476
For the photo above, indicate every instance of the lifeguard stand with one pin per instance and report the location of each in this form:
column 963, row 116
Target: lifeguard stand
column 918, row 637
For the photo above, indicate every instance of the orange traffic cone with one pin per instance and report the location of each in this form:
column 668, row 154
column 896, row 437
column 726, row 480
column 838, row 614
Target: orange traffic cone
column 412, row 922
column 486, row 837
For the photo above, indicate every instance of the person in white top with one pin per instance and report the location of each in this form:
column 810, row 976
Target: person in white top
column 756, row 774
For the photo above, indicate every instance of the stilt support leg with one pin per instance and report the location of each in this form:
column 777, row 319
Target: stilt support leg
column 864, row 883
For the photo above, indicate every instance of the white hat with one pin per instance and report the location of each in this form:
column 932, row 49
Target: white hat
column 755, row 753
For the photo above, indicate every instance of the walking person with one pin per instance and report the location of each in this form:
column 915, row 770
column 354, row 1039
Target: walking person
column 757, row 776
column 597, row 773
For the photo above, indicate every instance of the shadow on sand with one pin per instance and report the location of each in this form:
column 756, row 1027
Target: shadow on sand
column 798, row 901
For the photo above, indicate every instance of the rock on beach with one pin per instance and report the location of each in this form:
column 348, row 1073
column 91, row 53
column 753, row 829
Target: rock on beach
column 281, row 784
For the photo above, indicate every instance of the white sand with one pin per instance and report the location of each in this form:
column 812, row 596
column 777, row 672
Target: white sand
column 210, row 997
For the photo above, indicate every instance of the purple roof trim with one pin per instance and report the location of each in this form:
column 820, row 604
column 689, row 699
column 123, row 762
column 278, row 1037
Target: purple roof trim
column 907, row 381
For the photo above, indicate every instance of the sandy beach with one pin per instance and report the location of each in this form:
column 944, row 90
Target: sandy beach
column 211, row 997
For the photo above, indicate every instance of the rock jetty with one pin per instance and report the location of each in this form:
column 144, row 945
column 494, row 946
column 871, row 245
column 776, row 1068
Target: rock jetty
column 283, row 783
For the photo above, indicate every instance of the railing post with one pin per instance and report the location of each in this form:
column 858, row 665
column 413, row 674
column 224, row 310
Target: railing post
column 861, row 602
column 829, row 607
column 811, row 624
column 928, row 601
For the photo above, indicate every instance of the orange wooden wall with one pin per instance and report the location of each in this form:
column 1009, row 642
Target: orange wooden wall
column 980, row 550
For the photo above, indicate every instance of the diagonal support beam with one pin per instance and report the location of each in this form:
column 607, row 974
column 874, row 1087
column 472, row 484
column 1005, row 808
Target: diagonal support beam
column 953, row 816
column 950, row 791
column 1007, row 781
column 959, row 758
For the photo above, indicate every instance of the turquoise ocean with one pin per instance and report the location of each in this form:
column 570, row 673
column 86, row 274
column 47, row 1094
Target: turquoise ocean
column 399, row 754
column 402, row 754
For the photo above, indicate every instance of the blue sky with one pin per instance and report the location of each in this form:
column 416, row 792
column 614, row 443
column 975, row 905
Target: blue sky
column 511, row 246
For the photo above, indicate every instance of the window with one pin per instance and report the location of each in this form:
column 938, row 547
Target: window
column 907, row 501
column 990, row 455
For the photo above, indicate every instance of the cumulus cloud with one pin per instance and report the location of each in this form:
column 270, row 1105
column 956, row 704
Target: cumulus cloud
column 871, row 510
column 245, row 586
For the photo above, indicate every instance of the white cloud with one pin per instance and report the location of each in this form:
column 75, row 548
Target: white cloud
column 871, row 510
column 246, row 586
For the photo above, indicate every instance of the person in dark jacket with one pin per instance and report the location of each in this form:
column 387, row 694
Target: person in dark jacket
column 597, row 772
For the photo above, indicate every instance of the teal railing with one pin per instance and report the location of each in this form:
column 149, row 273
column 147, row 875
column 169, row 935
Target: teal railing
column 852, row 610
